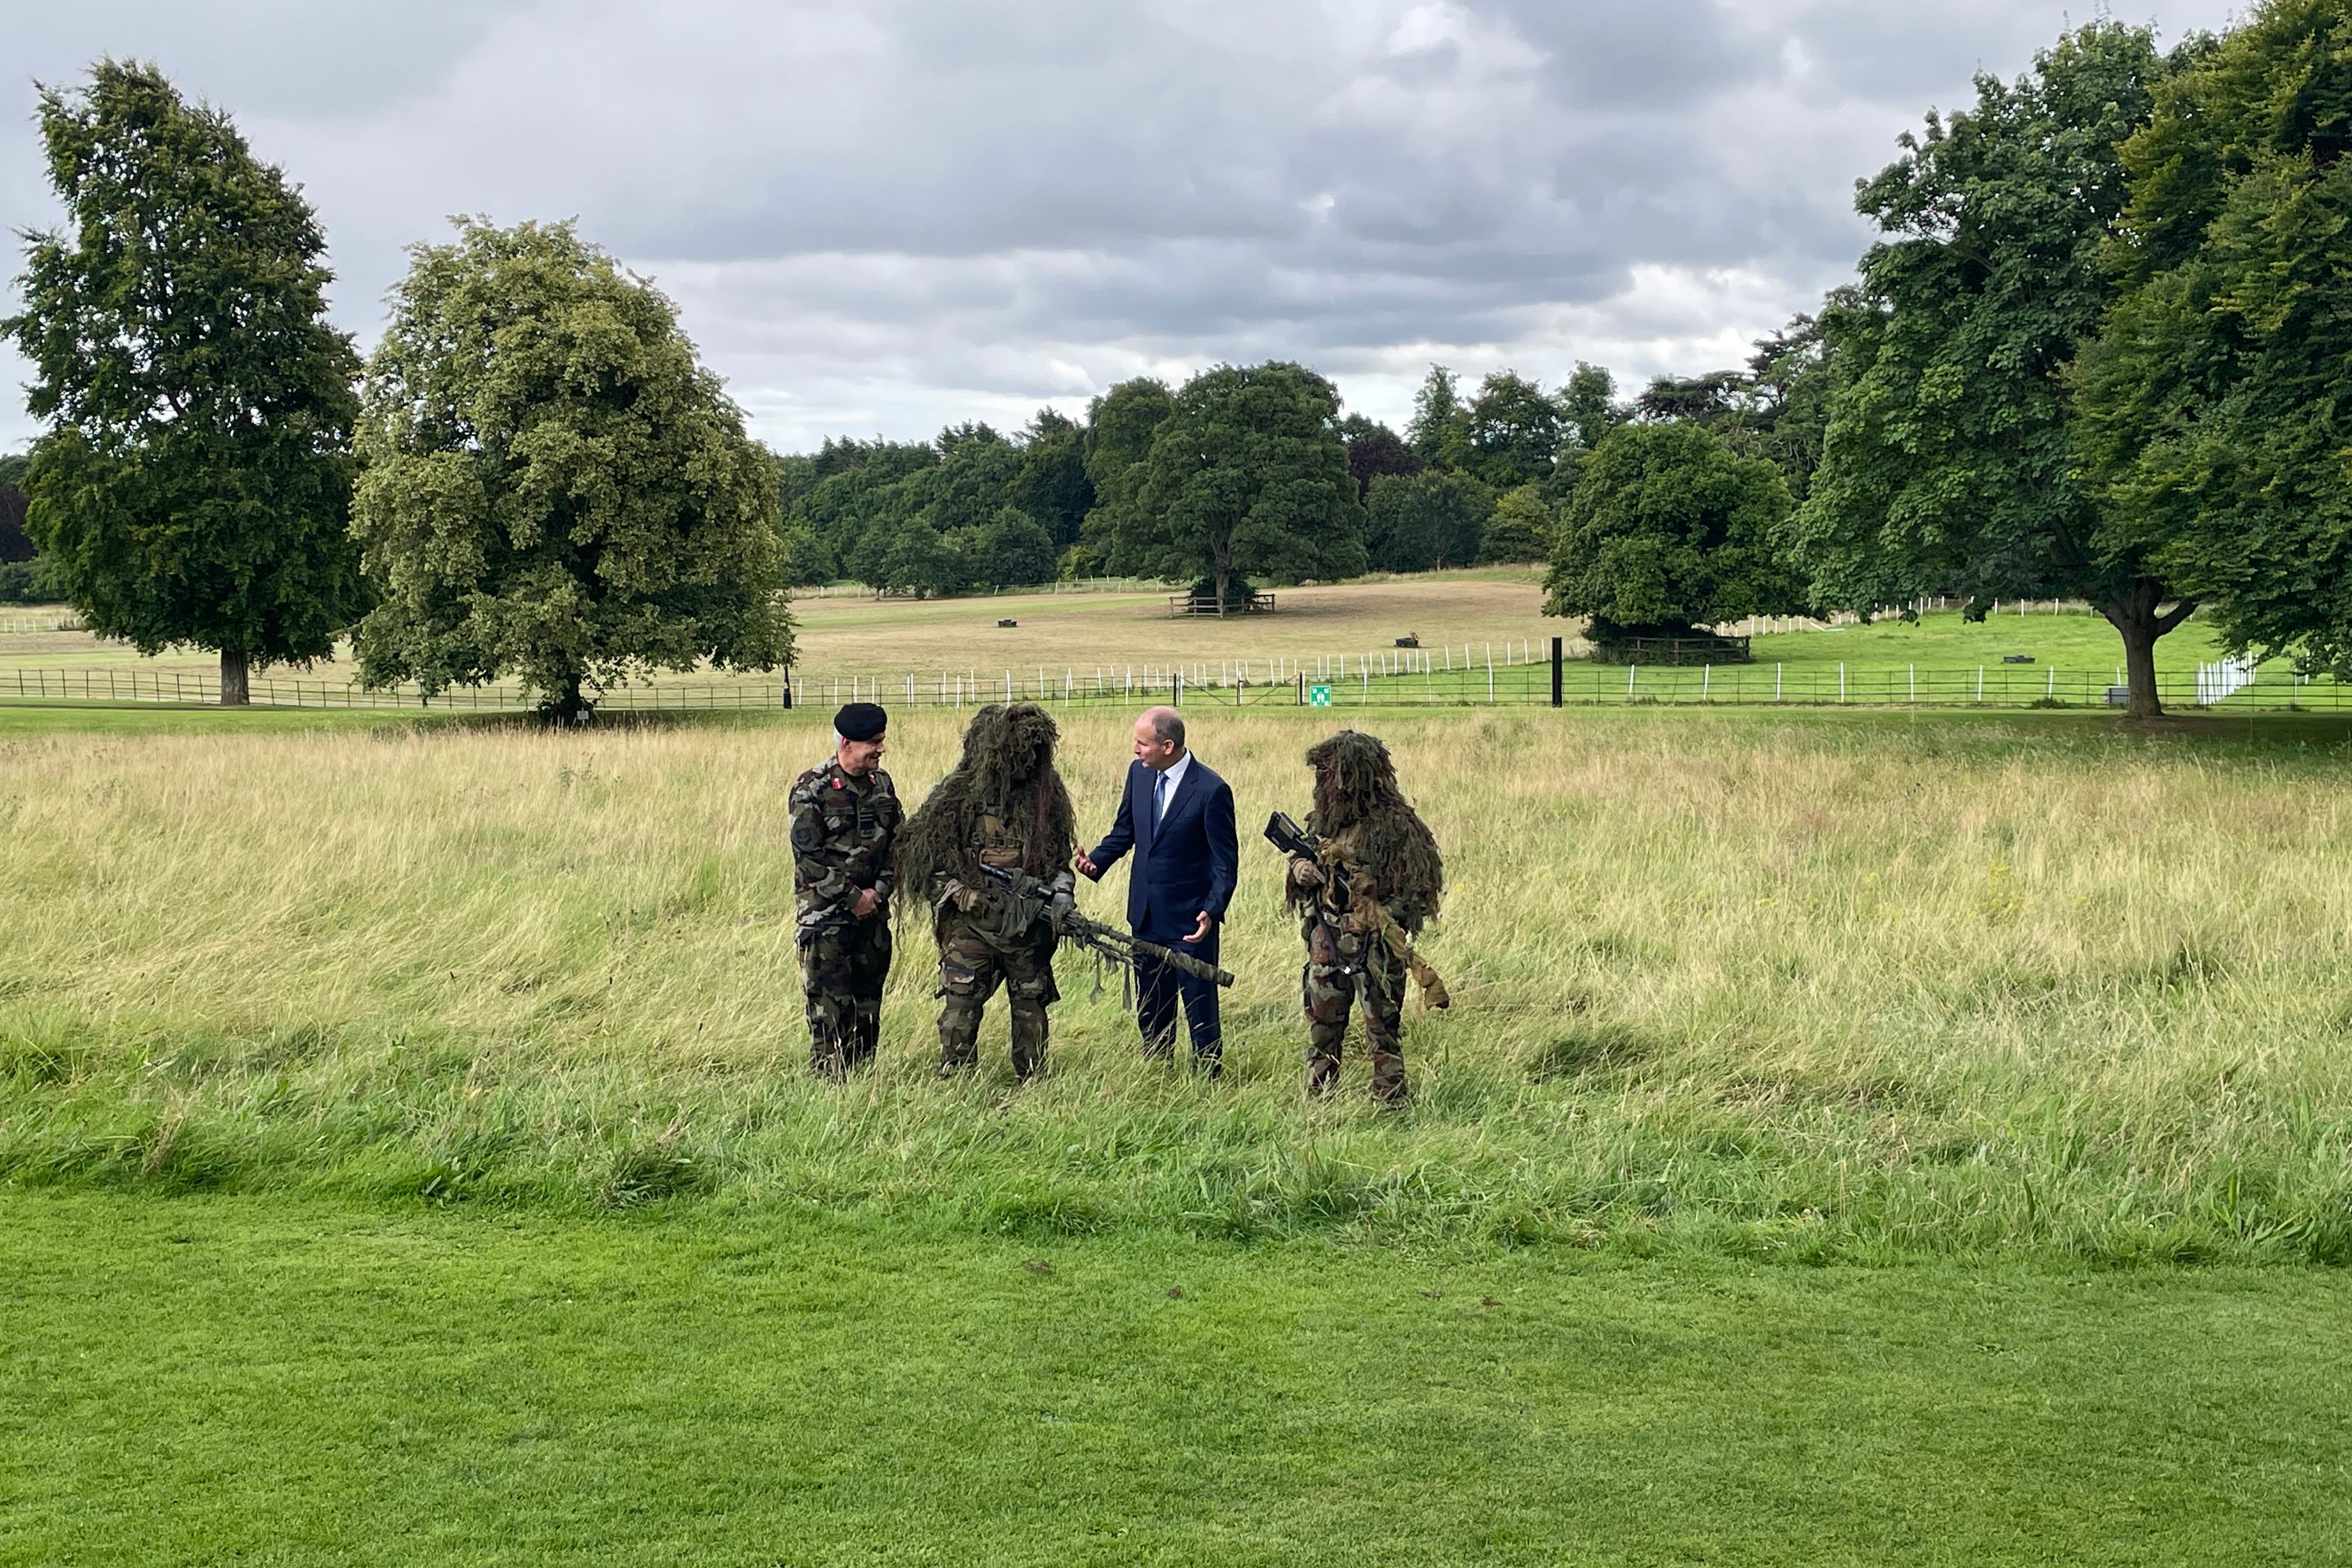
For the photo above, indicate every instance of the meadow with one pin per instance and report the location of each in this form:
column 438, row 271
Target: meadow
column 1336, row 633
column 407, row 1152
column 1841, row 987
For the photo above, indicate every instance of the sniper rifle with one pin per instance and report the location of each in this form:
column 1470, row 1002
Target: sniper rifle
column 1023, row 900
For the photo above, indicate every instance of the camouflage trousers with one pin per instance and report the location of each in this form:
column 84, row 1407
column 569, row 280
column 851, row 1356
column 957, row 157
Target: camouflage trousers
column 972, row 963
column 1342, row 965
column 843, row 970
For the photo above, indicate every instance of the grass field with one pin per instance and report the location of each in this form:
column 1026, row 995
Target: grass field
column 1471, row 617
column 1845, row 987
column 274, row 1380
column 846, row 636
column 406, row 1153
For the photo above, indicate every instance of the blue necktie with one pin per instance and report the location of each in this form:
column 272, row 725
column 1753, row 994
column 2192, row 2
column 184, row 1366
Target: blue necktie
column 1159, row 797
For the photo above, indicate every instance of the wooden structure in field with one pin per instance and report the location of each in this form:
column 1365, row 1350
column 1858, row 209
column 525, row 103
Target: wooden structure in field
column 1207, row 605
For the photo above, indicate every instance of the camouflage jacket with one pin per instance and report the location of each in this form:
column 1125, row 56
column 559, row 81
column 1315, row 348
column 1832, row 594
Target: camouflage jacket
column 1323, row 904
column 843, row 828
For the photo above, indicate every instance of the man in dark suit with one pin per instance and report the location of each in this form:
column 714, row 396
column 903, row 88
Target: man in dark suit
column 1178, row 817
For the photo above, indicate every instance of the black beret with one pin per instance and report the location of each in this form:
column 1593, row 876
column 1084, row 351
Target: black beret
column 860, row 722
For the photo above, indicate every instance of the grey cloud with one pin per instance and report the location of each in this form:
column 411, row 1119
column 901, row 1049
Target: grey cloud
column 916, row 210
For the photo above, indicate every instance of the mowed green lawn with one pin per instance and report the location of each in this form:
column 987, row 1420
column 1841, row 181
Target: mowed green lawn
column 269, row 1380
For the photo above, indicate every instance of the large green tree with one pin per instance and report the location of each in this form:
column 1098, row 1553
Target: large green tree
column 553, row 487
column 1439, row 430
column 1519, row 528
column 1671, row 528
column 1589, row 406
column 1948, row 463
column 1247, row 475
column 1121, row 425
column 1052, row 485
column 1374, row 449
column 1421, row 522
column 2218, row 403
column 193, row 486
column 1516, row 431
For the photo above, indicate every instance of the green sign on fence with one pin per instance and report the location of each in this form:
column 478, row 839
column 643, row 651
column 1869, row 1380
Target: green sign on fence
column 1318, row 696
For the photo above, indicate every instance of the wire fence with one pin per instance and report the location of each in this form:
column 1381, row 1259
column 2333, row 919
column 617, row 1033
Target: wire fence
column 1511, row 674
column 21, row 622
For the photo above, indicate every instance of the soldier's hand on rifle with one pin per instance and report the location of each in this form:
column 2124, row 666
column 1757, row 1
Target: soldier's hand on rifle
column 865, row 904
column 971, row 900
column 1305, row 873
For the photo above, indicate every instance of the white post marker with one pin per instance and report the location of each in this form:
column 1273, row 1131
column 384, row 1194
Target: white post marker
column 1776, row 683
column 1841, row 680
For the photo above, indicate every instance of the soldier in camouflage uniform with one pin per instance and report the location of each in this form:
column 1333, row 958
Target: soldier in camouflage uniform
column 845, row 819
column 1003, row 806
column 1378, row 882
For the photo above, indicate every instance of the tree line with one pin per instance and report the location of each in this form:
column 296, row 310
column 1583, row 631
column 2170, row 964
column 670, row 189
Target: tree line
column 2098, row 349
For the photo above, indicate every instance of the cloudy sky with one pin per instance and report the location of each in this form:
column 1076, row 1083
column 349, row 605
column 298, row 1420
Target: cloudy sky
column 883, row 215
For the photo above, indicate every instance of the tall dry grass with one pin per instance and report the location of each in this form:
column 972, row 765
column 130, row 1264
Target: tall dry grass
column 1850, row 987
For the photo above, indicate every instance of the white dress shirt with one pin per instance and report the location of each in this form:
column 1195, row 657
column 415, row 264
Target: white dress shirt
column 1174, row 779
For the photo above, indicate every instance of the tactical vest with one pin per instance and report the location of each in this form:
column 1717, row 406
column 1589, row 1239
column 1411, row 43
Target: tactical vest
column 999, row 845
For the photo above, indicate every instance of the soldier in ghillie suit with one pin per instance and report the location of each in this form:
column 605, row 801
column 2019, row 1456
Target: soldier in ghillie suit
column 1376, row 882
column 1004, row 806
column 845, row 819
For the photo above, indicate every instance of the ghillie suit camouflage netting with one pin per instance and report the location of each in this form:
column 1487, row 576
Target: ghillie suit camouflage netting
column 1007, row 771
column 1356, row 794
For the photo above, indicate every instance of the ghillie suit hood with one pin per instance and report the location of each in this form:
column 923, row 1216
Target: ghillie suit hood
column 1356, row 794
column 1007, row 771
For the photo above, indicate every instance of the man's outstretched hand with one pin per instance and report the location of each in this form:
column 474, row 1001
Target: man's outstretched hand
column 1084, row 866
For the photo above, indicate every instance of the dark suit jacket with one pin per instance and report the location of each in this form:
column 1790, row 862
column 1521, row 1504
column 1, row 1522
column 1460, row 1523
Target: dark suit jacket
column 1187, row 866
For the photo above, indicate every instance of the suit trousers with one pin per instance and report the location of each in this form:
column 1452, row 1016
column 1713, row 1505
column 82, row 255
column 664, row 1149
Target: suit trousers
column 1157, row 988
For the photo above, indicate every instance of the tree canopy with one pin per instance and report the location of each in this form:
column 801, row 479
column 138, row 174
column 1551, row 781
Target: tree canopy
column 1421, row 523
column 1671, row 528
column 1052, row 486
column 1374, row 449
column 2215, row 401
column 1520, row 528
column 1247, row 475
column 1948, row 464
column 553, row 486
column 194, row 485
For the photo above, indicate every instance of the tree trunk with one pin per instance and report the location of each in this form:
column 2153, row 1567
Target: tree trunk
column 2134, row 616
column 564, row 705
column 1224, row 581
column 235, row 692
